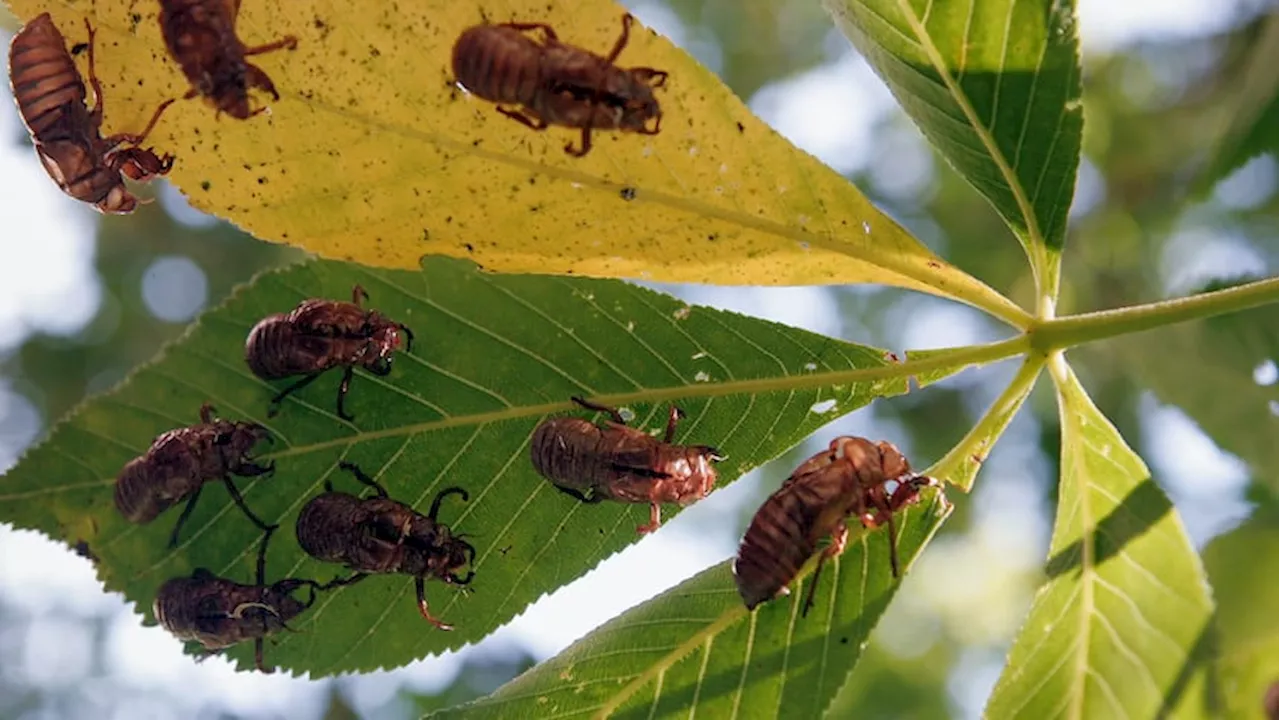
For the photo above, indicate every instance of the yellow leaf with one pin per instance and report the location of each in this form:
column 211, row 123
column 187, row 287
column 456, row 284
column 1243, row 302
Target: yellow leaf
column 373, row 155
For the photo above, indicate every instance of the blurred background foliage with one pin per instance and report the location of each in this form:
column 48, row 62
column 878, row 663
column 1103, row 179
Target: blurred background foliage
column 1177, row 194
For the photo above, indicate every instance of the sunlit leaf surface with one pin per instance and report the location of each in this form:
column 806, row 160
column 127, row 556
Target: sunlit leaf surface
column 1119, row 627
column 374, row 155
column 995, row 86
column 493, row 356
column 695, row 650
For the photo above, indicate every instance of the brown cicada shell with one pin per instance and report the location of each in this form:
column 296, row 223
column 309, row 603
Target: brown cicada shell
column 318, row 336
column 51, row 98
column 201, row 37
column 181, row 461
column 218, row 613
column 617, row 462
column 553, row 83
column 848, row 478
column 378, row 535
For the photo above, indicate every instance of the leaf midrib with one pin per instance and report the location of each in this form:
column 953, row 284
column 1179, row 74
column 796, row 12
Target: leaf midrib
column 1064, row 380
column 962, row 356
column 972, row 355
column 1035, row 240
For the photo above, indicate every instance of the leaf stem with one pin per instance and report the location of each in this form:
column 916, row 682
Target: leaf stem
column 960, row 465
column 1075, row 330
column 1047, row 296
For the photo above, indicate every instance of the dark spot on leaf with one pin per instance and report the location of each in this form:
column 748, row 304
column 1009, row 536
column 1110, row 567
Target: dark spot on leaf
column 205, row 185
column 742, row 128
column 470, row 247
column 79, row 48
column 844, row 641
column 82, row 549
column 628, row 193
column 262, row 181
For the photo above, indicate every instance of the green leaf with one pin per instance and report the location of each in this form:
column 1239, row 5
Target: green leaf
column 1243, row 566
column 493, row 356
column 696, row 649
column 1216, row 360
column 995, row 86
column 1251, row 125
column 1117, row 629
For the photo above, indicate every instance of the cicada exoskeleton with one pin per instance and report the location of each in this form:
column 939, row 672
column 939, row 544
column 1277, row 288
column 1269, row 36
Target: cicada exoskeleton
column 67, row 135
column 378, row 535
column 179, row 463
column 850, row 478
column 218, row 613
column 319, row 335
column 615, row 462
column 554, row 83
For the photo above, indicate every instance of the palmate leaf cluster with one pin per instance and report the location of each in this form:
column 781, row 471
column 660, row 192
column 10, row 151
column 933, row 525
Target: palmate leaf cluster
column 476, row 233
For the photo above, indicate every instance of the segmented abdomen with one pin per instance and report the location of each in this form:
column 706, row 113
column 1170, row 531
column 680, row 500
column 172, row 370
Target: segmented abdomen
column 777, row 543
column 327, row 526
column 216, row 612
column 136, row 493
column 499, row 64
column 45, row 81
column 174, row 609
column 567, row 451
column 271, row 349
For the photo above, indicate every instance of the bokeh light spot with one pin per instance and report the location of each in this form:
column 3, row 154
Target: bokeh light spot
column 174, row 288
